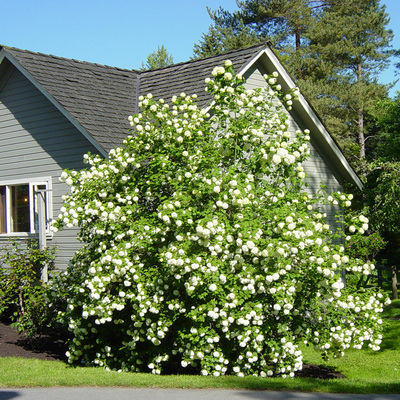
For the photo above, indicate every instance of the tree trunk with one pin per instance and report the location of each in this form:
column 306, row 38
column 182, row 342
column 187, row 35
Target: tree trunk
column 395, row 295
column 360, row 122
column 298, row 47
column 361, row 134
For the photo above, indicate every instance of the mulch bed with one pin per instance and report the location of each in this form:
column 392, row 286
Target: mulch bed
column 13, row 344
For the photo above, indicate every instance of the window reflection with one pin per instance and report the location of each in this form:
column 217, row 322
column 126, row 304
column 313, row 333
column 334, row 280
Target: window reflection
column 3, row 210
column 19, row 202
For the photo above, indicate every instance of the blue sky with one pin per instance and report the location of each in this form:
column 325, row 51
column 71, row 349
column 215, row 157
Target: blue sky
column 122, row 32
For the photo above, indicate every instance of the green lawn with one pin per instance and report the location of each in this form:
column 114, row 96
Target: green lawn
column 366, row 372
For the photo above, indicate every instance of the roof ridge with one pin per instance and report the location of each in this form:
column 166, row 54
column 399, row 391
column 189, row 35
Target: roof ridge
column 226, row 53
column 65, row 58
column 258, row 45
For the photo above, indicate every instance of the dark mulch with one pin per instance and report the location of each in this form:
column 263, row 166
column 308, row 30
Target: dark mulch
column 13, row 344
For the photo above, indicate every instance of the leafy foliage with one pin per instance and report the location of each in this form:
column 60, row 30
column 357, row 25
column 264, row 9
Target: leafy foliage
column 386, row 117
column 202, row 249
column 366, row 247
column 382, row 198
column 382, row 187
column 22, row 294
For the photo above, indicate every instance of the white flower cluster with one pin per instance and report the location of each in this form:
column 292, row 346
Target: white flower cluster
column 201, row 247
column 359, row 224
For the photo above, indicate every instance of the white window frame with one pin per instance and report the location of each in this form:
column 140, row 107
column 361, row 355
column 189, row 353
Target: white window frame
column 32, row 183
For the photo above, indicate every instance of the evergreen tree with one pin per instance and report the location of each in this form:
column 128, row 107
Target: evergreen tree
column 344, row 64
column 158, row 59
column 227, row 32
column 285, row 24
column 281, row 22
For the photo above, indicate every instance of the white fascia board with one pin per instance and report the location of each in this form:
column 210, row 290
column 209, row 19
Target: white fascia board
column 303, row 108
column 74, row 122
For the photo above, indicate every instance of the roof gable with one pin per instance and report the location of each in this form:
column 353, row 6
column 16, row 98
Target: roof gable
column 303, row 111
column 97, row 97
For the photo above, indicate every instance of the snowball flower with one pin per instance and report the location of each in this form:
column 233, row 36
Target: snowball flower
column 228, row 76
column 276, row 159
column 338, row 285
column 218, row 71
column 212, row 287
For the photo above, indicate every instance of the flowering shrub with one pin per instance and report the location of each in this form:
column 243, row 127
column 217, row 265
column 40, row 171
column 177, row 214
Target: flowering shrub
column 202, row 248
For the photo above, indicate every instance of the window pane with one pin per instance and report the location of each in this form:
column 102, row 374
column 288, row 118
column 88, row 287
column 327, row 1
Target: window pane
column 3, row 214
column 19, row 201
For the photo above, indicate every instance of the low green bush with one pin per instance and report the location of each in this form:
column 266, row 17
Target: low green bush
column 23, row 296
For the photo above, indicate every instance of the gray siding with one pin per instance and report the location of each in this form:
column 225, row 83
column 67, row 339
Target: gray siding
column 36, row 140
column 317, row 167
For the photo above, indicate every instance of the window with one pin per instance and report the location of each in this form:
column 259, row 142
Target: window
column 19, row 202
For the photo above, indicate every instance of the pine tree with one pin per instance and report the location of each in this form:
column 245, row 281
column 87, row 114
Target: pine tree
column 344, row 64
column 158, row 59
column 227, row 32
column 281, row 22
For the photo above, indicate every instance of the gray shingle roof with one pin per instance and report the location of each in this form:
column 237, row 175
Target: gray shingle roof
column 100, row 98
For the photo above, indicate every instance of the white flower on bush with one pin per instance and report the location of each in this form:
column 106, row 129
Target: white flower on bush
column 218, row 71
column 212, row 287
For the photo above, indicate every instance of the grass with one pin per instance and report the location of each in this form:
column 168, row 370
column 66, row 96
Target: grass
column 366, row 372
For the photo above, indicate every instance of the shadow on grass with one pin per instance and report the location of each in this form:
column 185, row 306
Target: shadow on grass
column 392, row 310
column 317, row 385
column 391, row 337
column 391, row 314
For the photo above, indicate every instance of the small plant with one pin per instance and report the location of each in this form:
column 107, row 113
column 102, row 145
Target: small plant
column 365, row 247
column 22, row 293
